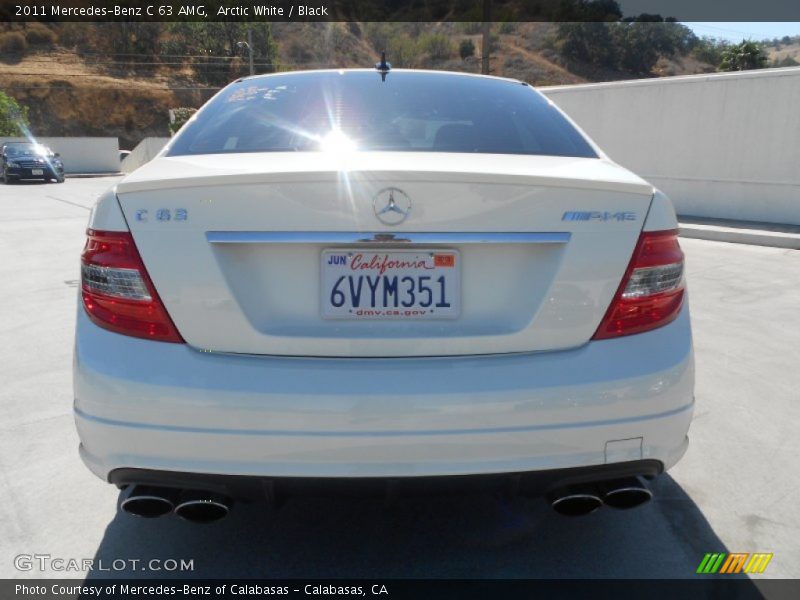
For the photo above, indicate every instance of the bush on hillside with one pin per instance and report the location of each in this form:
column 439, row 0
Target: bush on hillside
column 742, row 57
column 37, row 34
column 466, row 49
column 436, row 45
column 13, row 116
column 507, row 27
column 13, row 42
column 402, row 51
column 709, row 50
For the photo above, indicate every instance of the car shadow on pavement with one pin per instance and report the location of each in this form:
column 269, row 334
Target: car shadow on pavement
column 482, row 535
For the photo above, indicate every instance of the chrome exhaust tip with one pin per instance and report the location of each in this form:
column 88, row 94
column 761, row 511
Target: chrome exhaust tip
column 149, row 502
column 626, row 493
column 202, row 507
column 575, row 502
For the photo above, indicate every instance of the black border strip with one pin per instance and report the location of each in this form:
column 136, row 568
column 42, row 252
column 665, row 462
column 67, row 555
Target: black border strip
column 416, row 589
column 398, row 10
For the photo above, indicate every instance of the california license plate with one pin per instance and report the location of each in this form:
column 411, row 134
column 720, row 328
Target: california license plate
column 37, row 171
column 390, row 284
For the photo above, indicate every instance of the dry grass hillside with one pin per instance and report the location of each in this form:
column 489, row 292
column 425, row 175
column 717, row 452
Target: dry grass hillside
column 784, row 54
column 74, row 87
column 65, row 96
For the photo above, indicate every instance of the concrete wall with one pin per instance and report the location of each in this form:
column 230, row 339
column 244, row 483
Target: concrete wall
column 82, row 154
column 725, row 145
column 144, row 152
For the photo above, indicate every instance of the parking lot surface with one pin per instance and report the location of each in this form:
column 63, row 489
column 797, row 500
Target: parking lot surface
column 736, row 489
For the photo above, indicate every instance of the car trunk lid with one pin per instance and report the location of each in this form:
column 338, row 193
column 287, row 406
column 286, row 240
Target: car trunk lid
column 235, row 246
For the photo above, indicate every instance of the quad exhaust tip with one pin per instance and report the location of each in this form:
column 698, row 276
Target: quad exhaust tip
column 149, row 502
column 206, row 507
column 622, row 494
column 202, row 507
column 575, row 502
column 626, row 493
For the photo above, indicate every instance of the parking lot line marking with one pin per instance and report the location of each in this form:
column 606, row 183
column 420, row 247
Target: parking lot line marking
column 68, row 202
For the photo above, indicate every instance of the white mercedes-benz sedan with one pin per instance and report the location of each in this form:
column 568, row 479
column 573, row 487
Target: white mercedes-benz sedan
column 381, row 278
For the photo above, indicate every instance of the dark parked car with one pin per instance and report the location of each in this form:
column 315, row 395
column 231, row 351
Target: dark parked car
column 26, row 160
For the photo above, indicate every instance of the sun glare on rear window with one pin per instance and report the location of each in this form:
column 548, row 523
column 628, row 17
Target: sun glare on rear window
column 357, row 111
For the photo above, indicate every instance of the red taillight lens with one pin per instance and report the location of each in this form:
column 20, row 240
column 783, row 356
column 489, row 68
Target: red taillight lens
column 651, row 293
column 117, row 292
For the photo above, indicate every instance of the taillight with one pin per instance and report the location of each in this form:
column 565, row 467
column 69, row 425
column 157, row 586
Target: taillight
column 651, row 293
column 117, row 292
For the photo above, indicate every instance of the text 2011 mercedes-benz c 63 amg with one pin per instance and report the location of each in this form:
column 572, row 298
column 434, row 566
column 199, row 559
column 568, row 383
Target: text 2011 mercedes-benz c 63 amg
column 371, row 277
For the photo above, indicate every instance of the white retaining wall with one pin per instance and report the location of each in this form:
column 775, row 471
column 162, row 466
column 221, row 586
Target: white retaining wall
column 725, row 145
column 82, row 154
column 144, row 152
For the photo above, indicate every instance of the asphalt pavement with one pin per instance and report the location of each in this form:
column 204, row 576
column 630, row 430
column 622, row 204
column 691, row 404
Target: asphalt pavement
column 736, row 489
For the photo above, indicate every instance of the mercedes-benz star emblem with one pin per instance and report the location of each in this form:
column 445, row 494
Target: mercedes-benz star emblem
column 392, row 206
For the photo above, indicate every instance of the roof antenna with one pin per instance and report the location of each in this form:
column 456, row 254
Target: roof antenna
column 383, row 67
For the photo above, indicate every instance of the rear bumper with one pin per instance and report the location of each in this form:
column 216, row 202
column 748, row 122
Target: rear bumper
column 255, row 488
column 166, row 407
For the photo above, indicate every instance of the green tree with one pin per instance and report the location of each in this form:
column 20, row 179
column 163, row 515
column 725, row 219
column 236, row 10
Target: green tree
column 636, row 51
column 633, row 51
column 710, row 50
column 213, row 39
column 742, row 57
column 13, row 116
column 589, row 43
column 265, row 48
column 640, row 41
column 214, row 44
column 633, row 45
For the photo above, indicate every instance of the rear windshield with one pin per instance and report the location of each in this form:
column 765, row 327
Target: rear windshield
column 355, row 110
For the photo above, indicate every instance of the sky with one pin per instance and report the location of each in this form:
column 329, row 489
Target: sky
column 736, row 31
